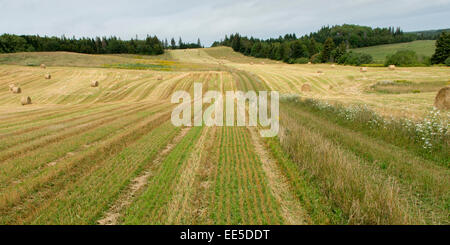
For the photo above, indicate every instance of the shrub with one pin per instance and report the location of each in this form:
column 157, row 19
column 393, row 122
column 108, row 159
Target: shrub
column 403, row 81
column 407, row 58
column 351, row 58
column 426, row 60
column 315, row 59
column 373, row 65
column 301, row 60
column 365, row 58
column 447, row 61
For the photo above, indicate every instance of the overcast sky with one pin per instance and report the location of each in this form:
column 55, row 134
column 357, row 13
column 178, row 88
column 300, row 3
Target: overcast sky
column 210, row 20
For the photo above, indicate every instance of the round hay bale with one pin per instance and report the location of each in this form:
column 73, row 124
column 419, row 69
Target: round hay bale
column 363, row 69
column 320, row 72
column 251, row 63
column 306, row 87
column 26, row 100
column 11, row 86
column 262, row 63
column 159, row 77
column 16, row 90
column 43, row 66
column 391, row 67
column 309, row 63
column 94, row 84
column 442, row 100
column 48, row 76
column 333, row 66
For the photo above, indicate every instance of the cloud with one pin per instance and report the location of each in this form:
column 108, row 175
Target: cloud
column 211, row 20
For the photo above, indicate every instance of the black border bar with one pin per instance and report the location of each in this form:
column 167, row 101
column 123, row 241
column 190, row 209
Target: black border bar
column 224, row 234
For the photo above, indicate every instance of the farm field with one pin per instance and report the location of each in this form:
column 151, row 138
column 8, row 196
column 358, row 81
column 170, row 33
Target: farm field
column 379, row 52
column 346, row 152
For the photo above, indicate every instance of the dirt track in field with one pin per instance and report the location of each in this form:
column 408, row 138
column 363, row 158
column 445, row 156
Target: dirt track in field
column 137, row 184
column 293, row 213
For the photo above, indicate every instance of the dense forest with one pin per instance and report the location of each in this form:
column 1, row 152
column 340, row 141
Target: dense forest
column 151, row 45
column 329, row 44
column 111, row 45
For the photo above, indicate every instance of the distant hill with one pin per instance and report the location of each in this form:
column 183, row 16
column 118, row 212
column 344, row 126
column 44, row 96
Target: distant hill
column 429, row 34
column 379, row 53
column 329, row 44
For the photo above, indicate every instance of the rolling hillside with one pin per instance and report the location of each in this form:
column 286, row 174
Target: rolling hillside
column 379, row 53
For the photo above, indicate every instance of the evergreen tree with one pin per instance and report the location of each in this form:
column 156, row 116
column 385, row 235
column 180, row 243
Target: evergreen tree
column 328, row 47
column 313, row 47
column 277, row 52
column 339, row 51
column 180, row 43
column 298, row 49
column 442, row 49
column 256, row 50
column 285, row 51
column 173, row 45
column 236, row 43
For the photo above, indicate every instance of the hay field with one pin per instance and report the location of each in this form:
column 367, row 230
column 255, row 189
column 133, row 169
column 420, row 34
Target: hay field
column 346, row 84
column 110, row 154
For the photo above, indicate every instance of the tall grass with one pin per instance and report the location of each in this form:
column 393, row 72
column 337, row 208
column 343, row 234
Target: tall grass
column 363, row 195
column 321, row 210
column 429, row 137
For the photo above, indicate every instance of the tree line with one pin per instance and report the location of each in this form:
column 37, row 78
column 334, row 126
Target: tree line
column 329, row 44
column 430, row 34
column 181, row 44
column 151, row 45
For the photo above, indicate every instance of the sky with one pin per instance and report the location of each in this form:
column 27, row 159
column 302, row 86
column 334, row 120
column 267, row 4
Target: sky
column 211, row 20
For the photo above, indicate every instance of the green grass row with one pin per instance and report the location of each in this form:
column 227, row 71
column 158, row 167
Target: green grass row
column 28, row 180
column 87, row 199
column 241, row 193
column 151, row 206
